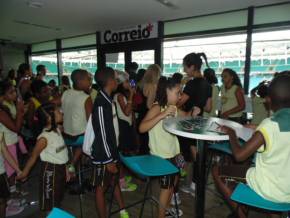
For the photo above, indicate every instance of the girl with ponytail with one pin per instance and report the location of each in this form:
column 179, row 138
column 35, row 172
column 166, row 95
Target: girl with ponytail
column 197, row 93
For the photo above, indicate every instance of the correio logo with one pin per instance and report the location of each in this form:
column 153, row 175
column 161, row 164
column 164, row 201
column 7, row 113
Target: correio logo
column 128, row 35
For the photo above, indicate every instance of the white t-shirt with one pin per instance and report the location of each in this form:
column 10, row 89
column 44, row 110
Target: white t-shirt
column 74, row 113
column 120, row 112
column 56, row 151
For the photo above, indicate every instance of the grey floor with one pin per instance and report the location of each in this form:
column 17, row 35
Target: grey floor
column 214, row 205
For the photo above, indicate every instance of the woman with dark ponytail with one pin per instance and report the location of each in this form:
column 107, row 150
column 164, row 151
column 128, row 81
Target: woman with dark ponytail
column 197, row 93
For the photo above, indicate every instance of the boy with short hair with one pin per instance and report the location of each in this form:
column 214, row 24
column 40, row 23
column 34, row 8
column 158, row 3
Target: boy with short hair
column 77, row 107
column 270, row 176
column 105, row 154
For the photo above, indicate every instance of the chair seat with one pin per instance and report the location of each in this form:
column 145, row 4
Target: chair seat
column 223, row 146
column 245, row 195
column 74, row 143
column 149, row 165
column 58, row 213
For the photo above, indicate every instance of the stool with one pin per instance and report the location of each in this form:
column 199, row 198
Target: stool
column 147, row 167
column 243, row 194
column 58, row 213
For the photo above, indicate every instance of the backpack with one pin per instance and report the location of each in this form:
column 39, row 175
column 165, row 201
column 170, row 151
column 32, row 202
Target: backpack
column 89, row 138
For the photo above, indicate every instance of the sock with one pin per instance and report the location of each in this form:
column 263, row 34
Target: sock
column 122, row 211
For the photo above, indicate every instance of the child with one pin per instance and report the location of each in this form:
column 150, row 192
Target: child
column 105, row 155
column 8, row 93
column 196, row 93
column 162, row 143
column 127, row 135
column 259, row 104
column 232, row 96
column 77, row 107
column 123, row 98
column 53, row 154
column 269, row 177
column 4, row 188
column 7, row 124
column 209, row 75
column 41, row 95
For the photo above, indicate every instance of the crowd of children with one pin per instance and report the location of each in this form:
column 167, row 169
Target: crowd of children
column 126, row 111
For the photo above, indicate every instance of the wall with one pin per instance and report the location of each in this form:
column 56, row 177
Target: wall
column 11, row 55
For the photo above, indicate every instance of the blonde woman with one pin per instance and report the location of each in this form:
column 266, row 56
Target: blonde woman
column 149, row 83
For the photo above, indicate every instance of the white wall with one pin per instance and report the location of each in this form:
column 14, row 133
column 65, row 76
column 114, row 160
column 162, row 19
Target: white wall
column 11, row 55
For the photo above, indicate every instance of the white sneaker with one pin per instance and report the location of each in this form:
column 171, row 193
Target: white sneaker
column 189, row 189
column 171, row 213
column 172, row 201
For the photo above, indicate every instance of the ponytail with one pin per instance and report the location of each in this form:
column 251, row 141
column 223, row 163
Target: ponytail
column 195, row 59
column 202, row 54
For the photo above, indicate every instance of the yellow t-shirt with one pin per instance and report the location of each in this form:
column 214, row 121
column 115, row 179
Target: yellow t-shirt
column 270, row 177
column 229, row 100
column 10, row 137
column 163, row 143
column 259, row 110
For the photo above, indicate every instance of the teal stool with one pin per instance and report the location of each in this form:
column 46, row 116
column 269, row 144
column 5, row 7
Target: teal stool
column 74, row 143
column 148, row 167
column 58, row 213
column 243, row 194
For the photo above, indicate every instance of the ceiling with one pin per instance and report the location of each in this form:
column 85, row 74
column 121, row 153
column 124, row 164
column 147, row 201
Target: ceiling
column 64, row 18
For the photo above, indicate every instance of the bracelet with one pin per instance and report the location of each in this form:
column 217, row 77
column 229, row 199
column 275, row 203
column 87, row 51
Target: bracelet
column 71, row 168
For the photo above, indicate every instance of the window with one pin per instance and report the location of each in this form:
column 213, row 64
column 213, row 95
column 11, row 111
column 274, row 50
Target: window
column 143, row 58
column 116, row 60
column 270, row 54
column 50, row 62
column 221, row 51
column 83, row 59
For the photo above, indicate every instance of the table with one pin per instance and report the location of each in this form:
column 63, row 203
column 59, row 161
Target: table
column 202, row 129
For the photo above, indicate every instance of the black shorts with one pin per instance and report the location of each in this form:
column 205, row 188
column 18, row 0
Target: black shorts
column 185, row 144
column 167, row 181
column 102, row 177
column 52, row 185
column 4, row 187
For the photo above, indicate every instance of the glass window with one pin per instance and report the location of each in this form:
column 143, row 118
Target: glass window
column 143, row 58
column 116, row 60
column 270, row 54
column 50, row 62
column 221, row 51
column 84, row 59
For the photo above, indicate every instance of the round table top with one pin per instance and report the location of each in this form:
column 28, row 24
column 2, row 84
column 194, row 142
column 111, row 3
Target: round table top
column 199, row 127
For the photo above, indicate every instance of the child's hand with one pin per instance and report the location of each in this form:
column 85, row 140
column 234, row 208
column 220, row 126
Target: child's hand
column 195, row 111
column 250, row 126
column 169, row 112
column 112, row 168
column 21, row 176
column 68, row 175
column 225, row 115
column 227, row 130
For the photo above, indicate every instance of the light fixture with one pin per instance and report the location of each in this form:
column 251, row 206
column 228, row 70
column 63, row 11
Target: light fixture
column 35, row 3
